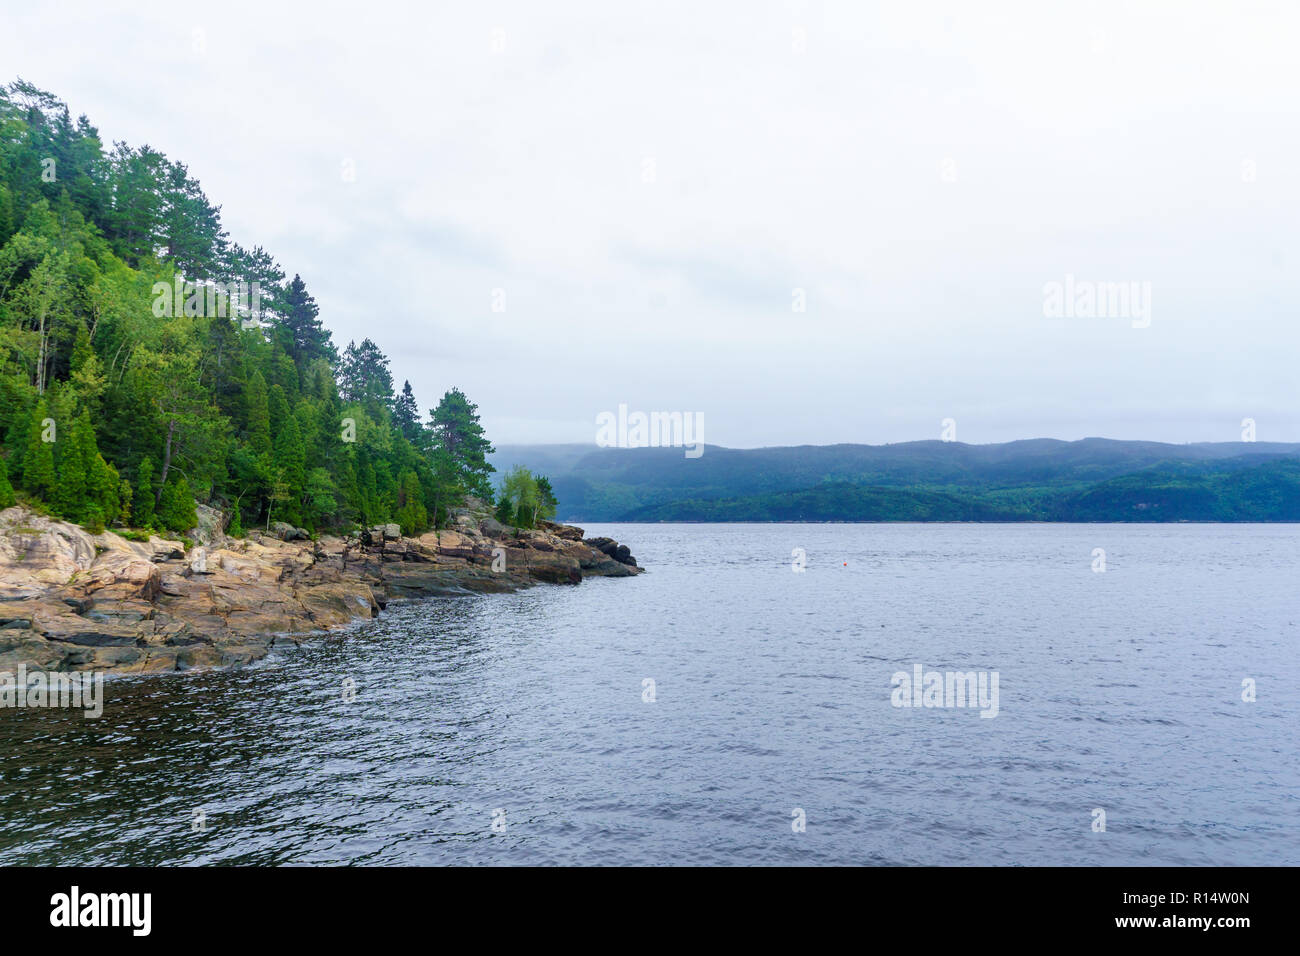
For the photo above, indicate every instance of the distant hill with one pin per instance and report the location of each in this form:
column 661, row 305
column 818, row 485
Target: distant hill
column 1094, row 479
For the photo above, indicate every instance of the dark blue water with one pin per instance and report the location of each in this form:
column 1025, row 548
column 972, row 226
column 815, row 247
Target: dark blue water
column 1119, row 691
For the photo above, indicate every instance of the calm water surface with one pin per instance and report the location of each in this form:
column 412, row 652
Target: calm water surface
column 1120, row 691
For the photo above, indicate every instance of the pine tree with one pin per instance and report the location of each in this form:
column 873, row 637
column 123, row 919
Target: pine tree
column 456, row 431
column 102, row 483
column 71, row 494
column 406, row 416
column 176, row 511
column 124, row 496
column 144, row 493
column 364, row 378
column 505, row 512
column 38, row 462
column 6, row 489
column 411, row 513
column 291, row 465
column 307, row 338
column 259, row 415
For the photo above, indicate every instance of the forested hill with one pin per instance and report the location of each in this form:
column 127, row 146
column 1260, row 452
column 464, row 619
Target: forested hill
column 149, row 361
column 1094, row 479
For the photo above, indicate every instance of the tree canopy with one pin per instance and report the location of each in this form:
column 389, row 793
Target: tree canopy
column 137, row 378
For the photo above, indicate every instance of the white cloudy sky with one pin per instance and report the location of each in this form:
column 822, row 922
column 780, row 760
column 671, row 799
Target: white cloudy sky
column 505, row 146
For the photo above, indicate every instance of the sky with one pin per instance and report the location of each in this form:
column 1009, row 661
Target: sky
column 802, row 223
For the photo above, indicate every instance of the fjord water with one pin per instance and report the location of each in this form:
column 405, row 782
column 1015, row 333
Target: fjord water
column 1119, row 691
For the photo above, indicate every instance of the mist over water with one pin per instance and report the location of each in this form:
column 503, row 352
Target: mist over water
column 772, row 691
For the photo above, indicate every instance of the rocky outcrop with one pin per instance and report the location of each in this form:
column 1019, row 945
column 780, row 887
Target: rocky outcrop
column 70, row 600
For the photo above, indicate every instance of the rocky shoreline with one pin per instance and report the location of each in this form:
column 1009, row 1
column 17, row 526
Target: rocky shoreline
column 73, row 601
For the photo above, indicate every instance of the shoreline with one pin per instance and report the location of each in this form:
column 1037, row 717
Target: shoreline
column 73, row 601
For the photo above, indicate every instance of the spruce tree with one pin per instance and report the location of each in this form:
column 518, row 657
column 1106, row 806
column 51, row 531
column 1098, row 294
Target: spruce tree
column 6, row 489
column 259, row 415
column 307, row 338
column 456, row 431
column 411, row 513
column 176, row 511
column 71, row 497
column 144, row 493
column 406, row 416
column 38, row 462
column 291, row 464
column 124, row 496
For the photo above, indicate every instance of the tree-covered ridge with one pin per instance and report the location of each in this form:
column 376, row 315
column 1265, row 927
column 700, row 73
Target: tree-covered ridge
column 147, row 361
column 1092, row 479
column 1266, row 492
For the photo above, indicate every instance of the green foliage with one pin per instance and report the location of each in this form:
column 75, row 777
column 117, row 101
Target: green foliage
column 1092, row 479
column 6, row 489
column 1268, row 492
column 525, row 498
column 547, row 503
column 111, row 328
column 144, row 494
column 38, row 462
column 176, row 511
column 456, row 432
column 505, row 512
column 411, row 513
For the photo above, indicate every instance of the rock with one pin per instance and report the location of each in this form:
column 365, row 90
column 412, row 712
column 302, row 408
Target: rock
column 563, row 531
column 287, row 532
column 619, row 552
column 554, row 568
column 164, row 549
column 454, row 544
column 493, row 528
column 73, row 601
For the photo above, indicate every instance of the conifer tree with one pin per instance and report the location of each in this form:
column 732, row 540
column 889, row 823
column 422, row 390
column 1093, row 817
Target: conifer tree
column 144, row 493
column 38, row 462
column 411, row 513
column 456, row 431
column 75, row 460
column 6, row 489
column 176, row 511
column 406, row 416
column 259, row 415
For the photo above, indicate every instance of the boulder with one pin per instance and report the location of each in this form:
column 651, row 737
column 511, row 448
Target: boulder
column 287, row 532
column 493, row 528
column 619, row 552
column 211, row 527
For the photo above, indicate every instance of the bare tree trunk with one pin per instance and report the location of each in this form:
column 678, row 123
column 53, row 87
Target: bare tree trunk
column 40, row 362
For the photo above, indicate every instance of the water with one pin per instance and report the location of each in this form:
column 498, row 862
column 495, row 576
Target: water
column 1118, row 690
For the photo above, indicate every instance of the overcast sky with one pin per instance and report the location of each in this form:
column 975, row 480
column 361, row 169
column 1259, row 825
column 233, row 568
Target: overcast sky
column 648, row 184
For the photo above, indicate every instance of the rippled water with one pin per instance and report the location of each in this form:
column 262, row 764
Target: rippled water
column 1119, row 691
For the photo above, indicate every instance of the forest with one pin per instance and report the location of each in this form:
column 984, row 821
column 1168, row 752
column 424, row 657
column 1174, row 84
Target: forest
column 149, row 363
